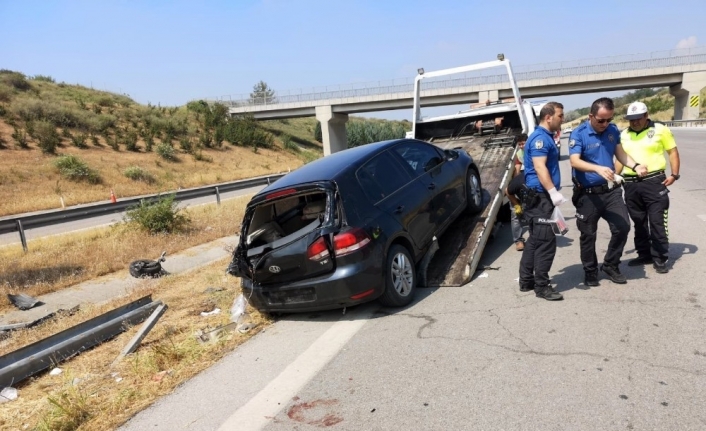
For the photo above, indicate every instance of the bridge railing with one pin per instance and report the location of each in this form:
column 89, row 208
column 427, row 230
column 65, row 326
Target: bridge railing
column 701, row 122
column 573, row 68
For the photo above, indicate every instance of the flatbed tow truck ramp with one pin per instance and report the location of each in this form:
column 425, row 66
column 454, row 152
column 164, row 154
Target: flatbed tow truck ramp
column 488, row 132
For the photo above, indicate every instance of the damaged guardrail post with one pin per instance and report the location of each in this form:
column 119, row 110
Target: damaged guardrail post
column 141, row 334
column 23, row 239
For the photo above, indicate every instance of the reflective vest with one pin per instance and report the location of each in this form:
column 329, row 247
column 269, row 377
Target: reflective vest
column 647, row 147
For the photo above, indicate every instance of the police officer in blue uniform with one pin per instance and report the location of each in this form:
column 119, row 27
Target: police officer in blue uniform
column 597, row 194
column 542, row 179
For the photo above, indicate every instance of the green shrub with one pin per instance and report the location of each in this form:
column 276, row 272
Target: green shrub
column 149, row 142
column 47, row 136
column 166, row 151
column 185, row 144
column 161, row 216
column 136, row 173
column 45, row 78
column 94, row 139
column 14, row 79
column 131, row 141
column 199, row 157
column 105, row 101
column 5, row 94
column 20, row 137
column 75, row 169
column 79, row 140
column 289, row 144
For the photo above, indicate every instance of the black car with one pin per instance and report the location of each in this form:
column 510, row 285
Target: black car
column 351, row 227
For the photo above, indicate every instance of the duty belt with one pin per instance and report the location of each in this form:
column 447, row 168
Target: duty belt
column 603, row 188
column 635, row 178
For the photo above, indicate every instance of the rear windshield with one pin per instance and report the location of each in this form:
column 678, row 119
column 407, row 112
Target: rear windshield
column 277, row 219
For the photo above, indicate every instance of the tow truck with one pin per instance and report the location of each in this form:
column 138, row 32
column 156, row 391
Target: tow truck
column 488, row 132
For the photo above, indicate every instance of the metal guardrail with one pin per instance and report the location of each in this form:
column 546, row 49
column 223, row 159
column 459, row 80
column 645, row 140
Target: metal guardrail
column 48, row 218
column 640, row 61
column 700, row 122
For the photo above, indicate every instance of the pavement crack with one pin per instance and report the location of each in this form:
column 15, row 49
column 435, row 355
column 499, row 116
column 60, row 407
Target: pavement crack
column 508, row 331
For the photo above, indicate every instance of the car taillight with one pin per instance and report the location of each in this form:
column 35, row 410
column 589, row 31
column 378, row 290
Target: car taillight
column 349, row 241
column 318, row 250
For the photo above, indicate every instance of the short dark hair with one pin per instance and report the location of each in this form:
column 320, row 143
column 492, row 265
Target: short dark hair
column 522, row 137
column 548, row 109
column 603, row 102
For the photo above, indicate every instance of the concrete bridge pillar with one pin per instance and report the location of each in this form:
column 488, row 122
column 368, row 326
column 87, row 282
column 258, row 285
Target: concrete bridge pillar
column 683, row 93
column 333, row 129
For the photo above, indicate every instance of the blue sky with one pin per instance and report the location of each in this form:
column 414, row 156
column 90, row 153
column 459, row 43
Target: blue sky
column 170, row 52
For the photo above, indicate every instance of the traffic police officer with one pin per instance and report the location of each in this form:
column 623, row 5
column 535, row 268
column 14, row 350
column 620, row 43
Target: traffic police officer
column 646, row 197
column 597, row 194
column 542, row 178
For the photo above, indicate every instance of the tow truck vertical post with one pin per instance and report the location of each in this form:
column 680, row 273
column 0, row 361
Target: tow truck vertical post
column 488, row 133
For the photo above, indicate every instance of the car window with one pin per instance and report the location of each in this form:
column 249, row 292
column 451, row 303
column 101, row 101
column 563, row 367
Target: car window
column 381, row 176
column 419, row 156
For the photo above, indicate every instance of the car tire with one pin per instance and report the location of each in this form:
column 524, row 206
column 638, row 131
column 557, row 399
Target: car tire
column 474, row 192
column 145, row 268
column 400, row 278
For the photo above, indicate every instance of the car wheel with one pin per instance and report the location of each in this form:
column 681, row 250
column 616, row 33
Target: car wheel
column 474, row 193
column 400, row 278
column 145, row 268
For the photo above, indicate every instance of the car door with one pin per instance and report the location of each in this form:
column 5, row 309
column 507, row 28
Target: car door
column 440, row 176
column 393, row 190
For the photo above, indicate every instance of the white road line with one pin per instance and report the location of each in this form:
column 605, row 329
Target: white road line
column 259, row 411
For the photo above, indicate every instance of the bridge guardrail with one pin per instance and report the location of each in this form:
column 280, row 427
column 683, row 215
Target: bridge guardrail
column 699, row 122
column 47, row 218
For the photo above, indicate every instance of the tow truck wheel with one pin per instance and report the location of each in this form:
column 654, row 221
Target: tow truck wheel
column 474, row 193
column 400, row 278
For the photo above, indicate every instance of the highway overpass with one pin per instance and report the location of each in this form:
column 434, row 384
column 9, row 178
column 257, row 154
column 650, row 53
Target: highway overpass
column 683, row 71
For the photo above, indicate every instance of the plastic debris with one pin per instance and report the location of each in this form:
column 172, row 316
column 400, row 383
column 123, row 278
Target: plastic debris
column 211, row 313
column 483, row 275
column 8, row 394
column 55, row 372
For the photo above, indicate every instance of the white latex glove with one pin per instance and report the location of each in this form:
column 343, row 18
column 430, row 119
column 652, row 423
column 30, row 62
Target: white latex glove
column 618, row 180
column 557, row 198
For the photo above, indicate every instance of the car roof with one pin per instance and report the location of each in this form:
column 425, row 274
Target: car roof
column 331, row 166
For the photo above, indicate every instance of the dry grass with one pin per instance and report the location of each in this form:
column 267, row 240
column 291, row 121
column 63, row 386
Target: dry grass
column 87, row 395
column 30, row 182
column 57, row 262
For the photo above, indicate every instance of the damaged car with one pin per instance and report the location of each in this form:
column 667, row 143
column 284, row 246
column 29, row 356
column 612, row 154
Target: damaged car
column 352, row 227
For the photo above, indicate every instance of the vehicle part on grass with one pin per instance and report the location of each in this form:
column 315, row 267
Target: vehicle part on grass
column 147, row 268
column 131, row 346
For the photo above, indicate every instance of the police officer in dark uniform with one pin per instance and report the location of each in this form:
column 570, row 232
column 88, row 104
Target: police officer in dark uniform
column 647, row 197
column 597, row 194
column 542, row 179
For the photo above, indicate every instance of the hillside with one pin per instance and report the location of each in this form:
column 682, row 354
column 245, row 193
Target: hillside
column 63, row 144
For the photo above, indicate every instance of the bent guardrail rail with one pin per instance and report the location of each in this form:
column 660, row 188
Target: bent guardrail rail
column 48, row 218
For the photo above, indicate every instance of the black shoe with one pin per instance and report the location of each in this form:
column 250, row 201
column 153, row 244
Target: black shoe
column 526, row 288
column 591, row 279
column 548, row 293
column 641, row 260
column 614, row 273
column 660, row 266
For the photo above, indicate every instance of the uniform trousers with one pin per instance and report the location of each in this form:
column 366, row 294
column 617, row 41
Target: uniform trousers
column 590, row 208
column 648, row 205
column 540, row 247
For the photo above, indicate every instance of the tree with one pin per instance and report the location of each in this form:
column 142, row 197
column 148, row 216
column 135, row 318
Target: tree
column 262, row 94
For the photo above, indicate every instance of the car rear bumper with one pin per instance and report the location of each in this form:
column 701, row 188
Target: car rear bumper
column 326, row 292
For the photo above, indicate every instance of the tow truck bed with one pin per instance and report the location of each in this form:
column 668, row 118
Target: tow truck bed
column 461, row 246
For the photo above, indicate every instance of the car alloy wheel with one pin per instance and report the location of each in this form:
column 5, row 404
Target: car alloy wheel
column 402, row 274
column 400, row 278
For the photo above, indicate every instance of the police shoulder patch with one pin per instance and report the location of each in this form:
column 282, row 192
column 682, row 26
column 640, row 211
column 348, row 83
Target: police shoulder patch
column 572, row 143
column 539, row 144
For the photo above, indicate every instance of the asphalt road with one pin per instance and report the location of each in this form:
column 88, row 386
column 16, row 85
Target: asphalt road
column 109, row 219
column 484, row 356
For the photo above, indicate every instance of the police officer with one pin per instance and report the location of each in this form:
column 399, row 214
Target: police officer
column 646, row 197
column 597, row 194
column 542, row 179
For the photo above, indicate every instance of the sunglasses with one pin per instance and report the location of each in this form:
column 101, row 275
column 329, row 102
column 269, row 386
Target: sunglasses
column 603, row 120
